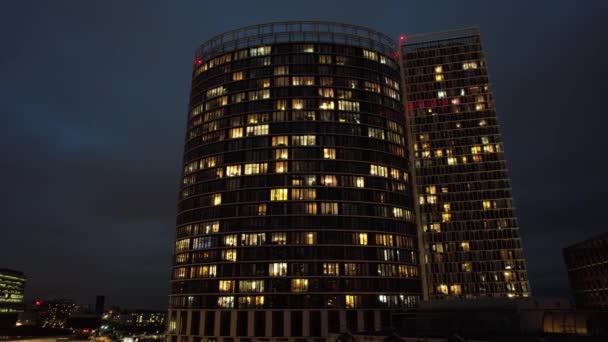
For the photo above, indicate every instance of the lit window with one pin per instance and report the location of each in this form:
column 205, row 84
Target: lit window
column 452, row 161
column 395, row 173
column 329, row 180
column 251, row 286
column 233, row 170
column 446, row 217
column 375, row 133
column 262, row 209
column 331, row 268
column 303, row 140
column 326, row 105
column 361, row 238
column 311, row 208
column 351, row 270
column 467, row 267
column 378, row 170
column 277, row 269
column 211, row 227
column 435, row 227
column 384, row 240
column 329, row 153
column 264, row 83
column 299, row 285
column 344, row 94
column 438, row 69
column 208, row 271
column 226, row 286
column 251, row 302
column 253, row 239
column 216, row 199
column 279, row 238
column 469, row 65
column 352, row 301
column 370, row 55
column 259, row 94
column 255, row 168
column 225, row 302
column 360, row 182
column 487, row 205
column 456, row 289
column 325, row 59
column 179, row 273
column 329, row 208
column 352, row 106
column 278, row 194
column 257, row 130
column 371, row 86
column 236, row 133
column 465, row 246
column 230, row 240
column 281, row 104
column 215, row 92
column 308, row 48
column 441, row 94
column 442, row 289
column 311, row 238
column 303, row 194
column 229, row 254
column 280, row 141
column 281, row 153
column 280, row 167
column 297, row 104
column 237, row 76
column 439, row 77
column 326, row 92
column 260, row 51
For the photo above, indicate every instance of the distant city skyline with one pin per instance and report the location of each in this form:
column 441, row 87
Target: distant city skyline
column 94, row 96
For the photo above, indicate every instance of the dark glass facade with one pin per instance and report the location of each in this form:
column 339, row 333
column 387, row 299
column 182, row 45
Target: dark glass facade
column 295, row 214
column 587, row 265
column 469, row 231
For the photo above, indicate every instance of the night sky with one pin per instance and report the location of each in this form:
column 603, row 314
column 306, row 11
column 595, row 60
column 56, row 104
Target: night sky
column 93, row 103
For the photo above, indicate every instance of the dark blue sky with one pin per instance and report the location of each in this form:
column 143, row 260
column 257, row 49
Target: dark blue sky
column 93, row 102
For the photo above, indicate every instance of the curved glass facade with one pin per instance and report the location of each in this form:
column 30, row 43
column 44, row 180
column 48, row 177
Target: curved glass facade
column 295, row 211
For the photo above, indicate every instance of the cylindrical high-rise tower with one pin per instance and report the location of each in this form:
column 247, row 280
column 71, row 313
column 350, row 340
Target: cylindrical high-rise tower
column 295, row 214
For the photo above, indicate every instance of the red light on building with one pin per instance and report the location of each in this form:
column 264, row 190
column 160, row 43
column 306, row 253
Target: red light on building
column 198, row 61
column 402, row 37
column 37, row 303
column 86, row 331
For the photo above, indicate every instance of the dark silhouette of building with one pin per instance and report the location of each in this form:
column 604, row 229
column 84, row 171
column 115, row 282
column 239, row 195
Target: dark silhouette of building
column 99, row 304
column 468, row 229
column 12, row 288
column 587, row 265
column 295, row 213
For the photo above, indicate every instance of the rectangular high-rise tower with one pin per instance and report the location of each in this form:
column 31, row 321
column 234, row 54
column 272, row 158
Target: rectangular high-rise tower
column 469, row 232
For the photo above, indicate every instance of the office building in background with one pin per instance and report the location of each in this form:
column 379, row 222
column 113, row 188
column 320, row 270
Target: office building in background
column 12, row 288
column 469, row 232
column 587, row 265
